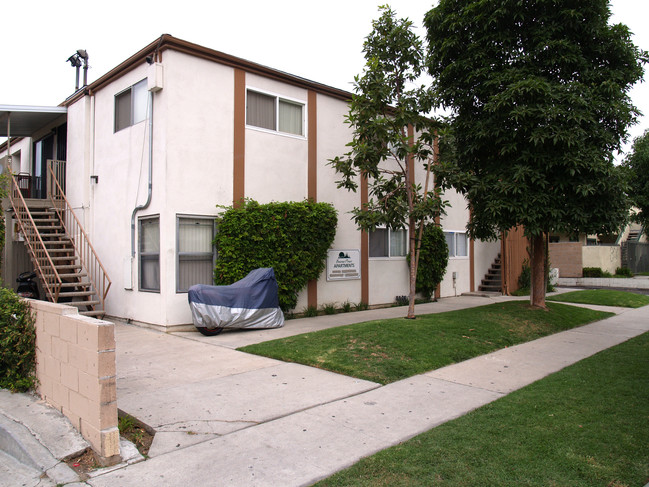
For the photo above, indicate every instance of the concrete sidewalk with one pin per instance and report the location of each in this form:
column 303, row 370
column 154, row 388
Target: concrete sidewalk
column 224, row 417
column 228, row 418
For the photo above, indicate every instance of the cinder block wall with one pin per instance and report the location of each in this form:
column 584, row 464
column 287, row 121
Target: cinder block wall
column 567, row 257
column 75, row 358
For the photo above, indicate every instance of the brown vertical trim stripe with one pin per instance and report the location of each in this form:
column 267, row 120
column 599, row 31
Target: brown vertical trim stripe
column 239, row 156
column 312, row 175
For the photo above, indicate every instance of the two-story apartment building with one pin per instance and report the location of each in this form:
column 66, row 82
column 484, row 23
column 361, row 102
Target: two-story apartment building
column 153, row 146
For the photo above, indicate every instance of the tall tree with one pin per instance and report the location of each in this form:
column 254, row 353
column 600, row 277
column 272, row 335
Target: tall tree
column 391, row 134
column 539, row 98
column 637, row 165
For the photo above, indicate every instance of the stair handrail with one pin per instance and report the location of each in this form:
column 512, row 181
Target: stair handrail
column 88, row 258
column 35, row 243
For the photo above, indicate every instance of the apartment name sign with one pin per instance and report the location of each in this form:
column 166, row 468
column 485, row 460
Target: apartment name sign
column 343, row 265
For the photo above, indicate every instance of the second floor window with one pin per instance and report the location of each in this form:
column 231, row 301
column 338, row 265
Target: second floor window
column 274, row 113
column 130, row 105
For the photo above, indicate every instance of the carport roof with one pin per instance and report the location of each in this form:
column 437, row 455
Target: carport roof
column 25, row 120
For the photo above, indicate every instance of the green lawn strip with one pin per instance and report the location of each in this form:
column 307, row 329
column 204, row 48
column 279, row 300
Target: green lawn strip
column 604, row 297
column 388, row 350
column 583, row 426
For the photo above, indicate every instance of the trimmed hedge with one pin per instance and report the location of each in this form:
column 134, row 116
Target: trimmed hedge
column 433, row 260
column 17, row 343
column 291, row 237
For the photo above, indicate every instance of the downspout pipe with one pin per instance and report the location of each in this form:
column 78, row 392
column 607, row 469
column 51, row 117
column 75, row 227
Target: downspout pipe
column 150, row 185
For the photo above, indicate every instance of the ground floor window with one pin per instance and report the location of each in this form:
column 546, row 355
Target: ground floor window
column 195, row 252
column 388, row 243
column 149, row 245
column 457, row 244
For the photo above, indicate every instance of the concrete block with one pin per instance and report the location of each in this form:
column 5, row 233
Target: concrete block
column 110, row 442
column 80, row 357
column 49, row 308
column 82, row 407
column 60, row 395
column 70, row 377
column 108, row 390
column 68, row 330
column 106, row 366
column 88, row 335
column 108, row 415
column 52, row 368
column 106, row 336
column 59, row 350
column 88, row 385
column 51, row 324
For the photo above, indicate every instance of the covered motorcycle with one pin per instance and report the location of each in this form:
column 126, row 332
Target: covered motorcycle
column 251, row 302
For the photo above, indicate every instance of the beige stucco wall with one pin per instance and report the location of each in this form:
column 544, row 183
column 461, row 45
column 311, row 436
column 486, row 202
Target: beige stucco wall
column 76, row 372
column 606, row 257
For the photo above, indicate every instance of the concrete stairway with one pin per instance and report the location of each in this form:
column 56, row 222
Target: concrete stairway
column 492, row 281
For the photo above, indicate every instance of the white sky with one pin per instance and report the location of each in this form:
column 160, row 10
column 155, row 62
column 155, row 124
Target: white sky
column 320, row 41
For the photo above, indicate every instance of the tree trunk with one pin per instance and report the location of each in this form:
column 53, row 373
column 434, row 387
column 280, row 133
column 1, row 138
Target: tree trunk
column 537, row 268
column 413, row 269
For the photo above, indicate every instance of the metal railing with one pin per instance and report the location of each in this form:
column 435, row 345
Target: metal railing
column 85, row 252
column 44, row 267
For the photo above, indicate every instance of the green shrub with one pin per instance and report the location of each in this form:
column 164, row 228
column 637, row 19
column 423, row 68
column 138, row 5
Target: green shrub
column 623, row 271
column 525, row 278
column 595, row 272
column 17, row 343
column 291, row 237
column 310, row 312
column 433, row 259
column 402, row 300
column 346, row 307
column 592, row 272
column 329, row 308
column 362, row 306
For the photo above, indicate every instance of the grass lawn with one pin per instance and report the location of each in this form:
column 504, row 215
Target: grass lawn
column 389, row 350
column 583, row 426
column 605, row 297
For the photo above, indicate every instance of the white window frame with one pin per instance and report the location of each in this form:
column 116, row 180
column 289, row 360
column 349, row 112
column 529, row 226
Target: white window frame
column 179, row 254
column 278, row 98
column 137, row 88
column 148, row 255
column 452, row 251
column 389, row 256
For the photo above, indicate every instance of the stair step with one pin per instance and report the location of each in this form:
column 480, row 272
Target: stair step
column 64, row 267
column 84, row 303
column 74, row 294
column 490, row 288
column 83, row 284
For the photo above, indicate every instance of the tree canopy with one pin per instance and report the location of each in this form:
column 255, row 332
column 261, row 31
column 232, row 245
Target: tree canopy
column 637, row 165
column 539, row 97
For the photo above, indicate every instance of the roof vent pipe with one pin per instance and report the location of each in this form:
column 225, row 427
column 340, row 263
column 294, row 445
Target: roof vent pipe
column 78, row 59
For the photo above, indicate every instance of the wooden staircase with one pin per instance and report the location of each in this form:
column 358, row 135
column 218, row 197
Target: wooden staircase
column 64, row 260
column 76, row 288
column 492, row 281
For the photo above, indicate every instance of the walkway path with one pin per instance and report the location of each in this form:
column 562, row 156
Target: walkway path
column 228, row 418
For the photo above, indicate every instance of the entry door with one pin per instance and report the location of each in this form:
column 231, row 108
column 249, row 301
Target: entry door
column 43, row 150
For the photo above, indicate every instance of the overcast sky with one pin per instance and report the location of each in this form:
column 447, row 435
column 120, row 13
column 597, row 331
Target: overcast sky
column 320, row 41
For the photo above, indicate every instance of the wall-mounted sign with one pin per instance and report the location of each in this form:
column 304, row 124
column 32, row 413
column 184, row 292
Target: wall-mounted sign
column 343, row 265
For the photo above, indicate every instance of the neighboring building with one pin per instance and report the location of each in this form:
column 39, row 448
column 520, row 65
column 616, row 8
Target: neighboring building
column 146, row 188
